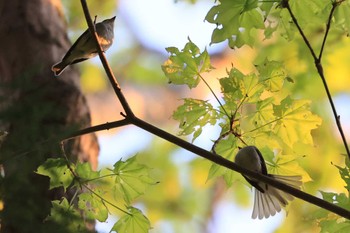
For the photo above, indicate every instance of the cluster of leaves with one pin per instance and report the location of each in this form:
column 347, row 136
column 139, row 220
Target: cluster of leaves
column 127, row 180
column 238, row 21
column 256, row 109
column 328, row 221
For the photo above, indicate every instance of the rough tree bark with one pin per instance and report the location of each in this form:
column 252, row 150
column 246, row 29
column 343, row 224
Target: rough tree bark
column 34, row 108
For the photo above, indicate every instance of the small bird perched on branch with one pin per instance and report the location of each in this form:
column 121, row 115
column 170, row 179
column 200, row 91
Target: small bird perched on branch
column 268, row 200
column 84, row 47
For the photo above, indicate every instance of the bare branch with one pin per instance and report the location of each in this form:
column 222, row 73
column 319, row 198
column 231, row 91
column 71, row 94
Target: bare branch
column 105, row 64
column 328, row 26
column 319, row 66
column 96, row 128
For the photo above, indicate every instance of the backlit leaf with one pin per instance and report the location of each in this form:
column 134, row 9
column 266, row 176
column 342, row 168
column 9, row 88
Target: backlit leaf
column 335, row 226
column 345, row 173
column 58, row 171
column 295, row 121
column 85, row 172
column 193, row 115
column 185, row 66
column 288, row 165
column 92, row 206
column 272, row 74
column 341, row 16
column 132, row 178
column 226, row 148
column 234, row 21
column 68, row 218
column 134, row 222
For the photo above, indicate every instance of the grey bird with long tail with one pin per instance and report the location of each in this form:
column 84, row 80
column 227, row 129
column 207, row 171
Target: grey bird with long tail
column 268, row 200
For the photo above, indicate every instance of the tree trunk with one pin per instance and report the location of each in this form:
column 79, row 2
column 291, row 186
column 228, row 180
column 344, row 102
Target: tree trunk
column 36, row 108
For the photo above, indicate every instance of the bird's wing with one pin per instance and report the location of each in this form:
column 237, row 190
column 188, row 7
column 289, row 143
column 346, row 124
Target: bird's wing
column 83, row 38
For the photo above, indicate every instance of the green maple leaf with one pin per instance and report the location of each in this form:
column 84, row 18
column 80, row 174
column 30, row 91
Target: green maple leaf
column 272, row 75
column 251, row 88
column 234, row 21
column 132, row 178
column 226, row 148
column 193, row 115
column 264, row 115
column 69, row 218
column 311, row 12
column 231, row 84
column 335, row 226
column 239, row 88
column 58, row 171
column 339, row 199
column 84, row 171
column 295, row 121
column 92, row 206
column 288, row 165
column 345, row 173
column 327, row 221
column 134, row 222
column 230, row 87
column 185, row 66
column 341, row 16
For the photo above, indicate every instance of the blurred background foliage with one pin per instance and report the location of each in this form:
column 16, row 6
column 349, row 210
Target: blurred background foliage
column 184, row 200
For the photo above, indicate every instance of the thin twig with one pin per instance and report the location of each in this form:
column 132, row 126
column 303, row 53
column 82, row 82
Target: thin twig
column 319, row 66
column 58, row 139
column 76, row 177
column 96, row 128
column 213, row 93
column 335, row 114
column 328, row 26
column 221, row 137
column 286, row 5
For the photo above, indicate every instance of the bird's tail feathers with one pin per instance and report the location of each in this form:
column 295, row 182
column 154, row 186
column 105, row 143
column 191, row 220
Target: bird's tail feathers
column 272, row 200
column 293, row 181
column 59, row 67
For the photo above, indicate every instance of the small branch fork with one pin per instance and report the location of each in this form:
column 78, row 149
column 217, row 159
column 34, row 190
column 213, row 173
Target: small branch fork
column 130, row 118
column 318, row 63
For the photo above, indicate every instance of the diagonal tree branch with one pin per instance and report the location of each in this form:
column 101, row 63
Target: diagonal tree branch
column 130, row 118
column 233, row 166
column 105, row 64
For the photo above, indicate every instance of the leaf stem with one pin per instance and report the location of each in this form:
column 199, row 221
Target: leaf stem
column 101, row 177
column 262, row 126
column 215, row 96
column 106, row 201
